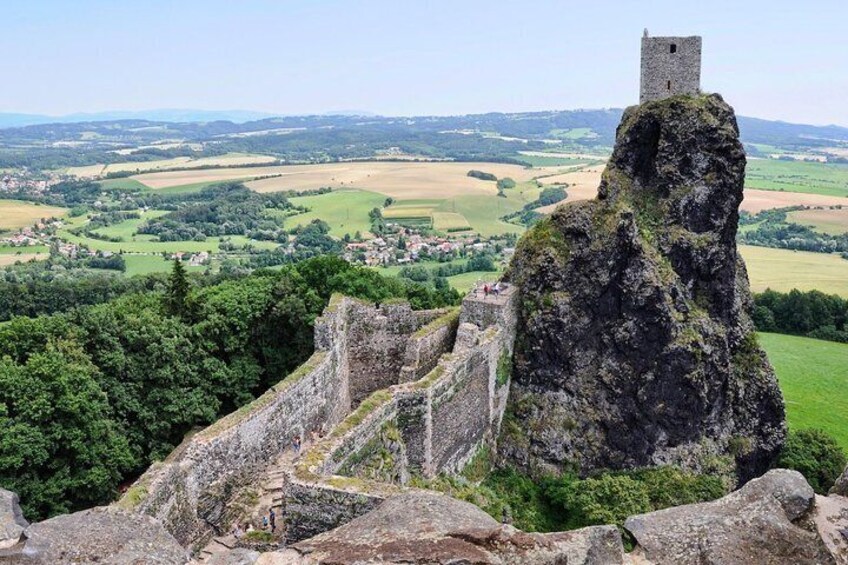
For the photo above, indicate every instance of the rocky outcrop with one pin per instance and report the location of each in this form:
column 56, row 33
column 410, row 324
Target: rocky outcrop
column 12, row 522
column 422, row 527
column 841, row 486
column 634, row 343
column 99, row 535
column 768, row 522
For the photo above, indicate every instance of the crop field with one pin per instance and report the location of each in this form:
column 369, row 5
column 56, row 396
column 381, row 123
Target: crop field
column 814, row 381
column 121, row 184
column 227, row 160
column 15, row 214
column 138, row 264
column 783, row 270
column 797, row 176
column 12, row 258
column 401, row 180
column 831, row 220
column 346, row 211
column 450, row 222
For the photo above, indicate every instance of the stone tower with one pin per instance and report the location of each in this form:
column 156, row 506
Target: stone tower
column 670, row 66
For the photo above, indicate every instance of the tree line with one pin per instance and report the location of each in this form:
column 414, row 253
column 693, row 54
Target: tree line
column 812, row 314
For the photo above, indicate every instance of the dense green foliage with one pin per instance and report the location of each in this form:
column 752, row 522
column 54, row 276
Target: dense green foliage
column 528, row 215
column 812, row 314
column 568, row 502
column 814, row 454
column 90, row 397
column 774, row 230
column 227, row 209
column 474, row 173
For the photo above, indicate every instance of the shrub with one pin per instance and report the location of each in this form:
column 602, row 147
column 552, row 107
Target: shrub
column 814, row 454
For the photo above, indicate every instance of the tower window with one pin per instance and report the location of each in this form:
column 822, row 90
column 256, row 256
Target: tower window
column 673, row 48
column 669, row 85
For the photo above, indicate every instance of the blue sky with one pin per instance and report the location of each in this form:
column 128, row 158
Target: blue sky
column 776, row 59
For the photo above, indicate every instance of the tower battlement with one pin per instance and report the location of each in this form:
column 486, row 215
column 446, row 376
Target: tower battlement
column 670, row 66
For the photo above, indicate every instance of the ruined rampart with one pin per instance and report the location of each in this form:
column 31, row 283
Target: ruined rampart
column 431, row 425
column 201, row 487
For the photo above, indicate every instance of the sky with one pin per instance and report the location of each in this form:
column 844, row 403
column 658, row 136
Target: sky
column 771, row 59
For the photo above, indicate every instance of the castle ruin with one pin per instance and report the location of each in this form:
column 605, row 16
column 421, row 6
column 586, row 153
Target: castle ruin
column 670, row 66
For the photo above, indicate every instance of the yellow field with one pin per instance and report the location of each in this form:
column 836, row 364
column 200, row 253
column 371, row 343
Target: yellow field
column 412, row 211
column 783, row 270
column 15, row 214
column 228, row 160
column 446, row 221
column 826, row 220
column 405, row 180
column 12, row 258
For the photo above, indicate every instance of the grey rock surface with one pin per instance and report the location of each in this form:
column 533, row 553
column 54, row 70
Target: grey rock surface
column 238, row 556
column 635, row 346
column 767, row 522
column 421, row 527
column 841, row 486
column 102, row 535
column 831, row 521
column 12, row 522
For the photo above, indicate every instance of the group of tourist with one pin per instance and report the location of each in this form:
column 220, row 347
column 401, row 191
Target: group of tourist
column 488, row 289
column 269, row 522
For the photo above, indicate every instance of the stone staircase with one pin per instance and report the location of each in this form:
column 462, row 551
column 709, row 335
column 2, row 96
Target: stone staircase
column 271, row 495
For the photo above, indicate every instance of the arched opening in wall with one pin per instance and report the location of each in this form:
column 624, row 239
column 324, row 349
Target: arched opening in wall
column 673, row 48
column 669, row 85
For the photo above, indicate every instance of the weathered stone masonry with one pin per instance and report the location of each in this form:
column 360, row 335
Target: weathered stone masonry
column 432, row 425
column 670, row 66
column 196, row 491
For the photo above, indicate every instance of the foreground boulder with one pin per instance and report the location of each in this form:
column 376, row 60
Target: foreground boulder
column 635, row 346
column 769, row 521
column 841, row 486
column 99, row 535
column 423, row 527
column 12, row 522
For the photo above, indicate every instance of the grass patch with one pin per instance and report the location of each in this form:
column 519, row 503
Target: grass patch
column 783, row 270
column 345, row 211
column 814, row 381
column 797, row 176
column 16, row 214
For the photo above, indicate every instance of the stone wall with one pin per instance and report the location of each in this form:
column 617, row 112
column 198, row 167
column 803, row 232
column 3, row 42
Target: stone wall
column 204, row 484
column 428, row 426
column 670, row 66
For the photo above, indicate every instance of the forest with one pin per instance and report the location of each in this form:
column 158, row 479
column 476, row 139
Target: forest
column 91, row 395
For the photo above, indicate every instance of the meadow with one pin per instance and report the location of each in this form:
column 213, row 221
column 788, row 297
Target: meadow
column 15, row 214
column 814, row 381
column 831, row 220
column 783, row 270
column 797, row 176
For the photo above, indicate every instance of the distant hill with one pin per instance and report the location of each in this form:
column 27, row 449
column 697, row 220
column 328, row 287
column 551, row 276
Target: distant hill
column 159, row 115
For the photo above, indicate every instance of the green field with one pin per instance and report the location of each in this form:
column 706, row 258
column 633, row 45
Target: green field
column 783, row 270
column 147, row 244
column 832, row 220
column 346, row 211
column 466, row 281
column 483, row 213
column 146, row 264
column 797, row 176
column 551, row 161
column 813, row 376
column 125, row 183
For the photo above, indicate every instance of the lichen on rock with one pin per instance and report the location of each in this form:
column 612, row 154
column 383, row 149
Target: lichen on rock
column 635, row 346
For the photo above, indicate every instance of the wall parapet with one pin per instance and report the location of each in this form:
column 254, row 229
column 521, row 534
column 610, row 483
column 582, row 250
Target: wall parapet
column 196, row 491
column 442, row 418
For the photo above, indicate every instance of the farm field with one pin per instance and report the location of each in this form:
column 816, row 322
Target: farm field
column 346, row 211
column 16, row 214
column 783, row 270
column 12, row 258
column 814, row 381
column 833, row 221
column 147, row 244
column 227, row 160
column 138, row 264
column 402, row 180
column 797, row 176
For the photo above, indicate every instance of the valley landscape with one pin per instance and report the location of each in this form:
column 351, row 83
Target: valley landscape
column 612, row 336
